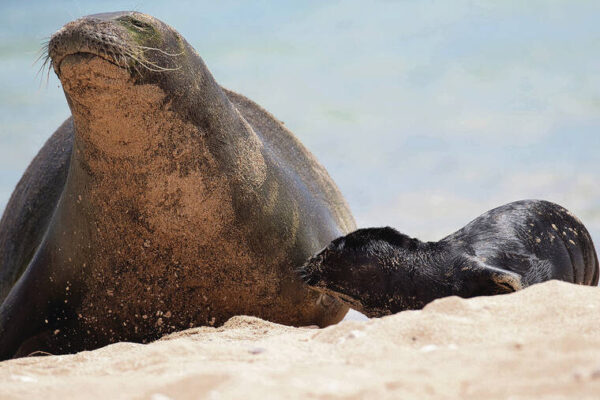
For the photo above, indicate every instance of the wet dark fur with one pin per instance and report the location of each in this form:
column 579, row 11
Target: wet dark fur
column 380, row 271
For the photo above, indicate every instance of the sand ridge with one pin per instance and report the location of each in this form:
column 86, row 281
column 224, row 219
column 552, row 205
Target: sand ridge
column 542, row 342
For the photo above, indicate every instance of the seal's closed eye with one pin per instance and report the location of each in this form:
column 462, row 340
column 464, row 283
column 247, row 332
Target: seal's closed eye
column 136, row 23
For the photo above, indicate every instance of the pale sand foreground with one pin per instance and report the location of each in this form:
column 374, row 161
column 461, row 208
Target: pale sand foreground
column 542, row 342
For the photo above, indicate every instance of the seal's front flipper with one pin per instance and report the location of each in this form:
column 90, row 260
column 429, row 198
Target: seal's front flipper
column 19, row 318
column 484, row 280
column 32, row 205
column 505, row 282
column 33, row 306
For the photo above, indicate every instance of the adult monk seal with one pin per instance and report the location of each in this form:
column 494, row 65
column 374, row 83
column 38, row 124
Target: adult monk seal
column 164, row 202
column 380, row 271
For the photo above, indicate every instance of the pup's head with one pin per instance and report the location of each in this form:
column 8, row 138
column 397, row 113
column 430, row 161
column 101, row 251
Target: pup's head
column 360, row 268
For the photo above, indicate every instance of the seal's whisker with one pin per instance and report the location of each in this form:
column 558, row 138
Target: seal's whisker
column 48, row 73
column 125, row 52
column 162, row 51
column 134, row 66
column 114, row 56
column 45, row 42
column 42, row 51
column 40, row 57
column 46, row 63
column 149, row 65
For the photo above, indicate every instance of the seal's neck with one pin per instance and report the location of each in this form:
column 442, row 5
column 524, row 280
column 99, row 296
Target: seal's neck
column 390, row 274
column 151, row 126
column 422, row 273
column 141, row 167
column 115, row 119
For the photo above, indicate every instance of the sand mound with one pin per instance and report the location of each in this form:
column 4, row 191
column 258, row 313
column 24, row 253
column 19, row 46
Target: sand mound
column 542, row 342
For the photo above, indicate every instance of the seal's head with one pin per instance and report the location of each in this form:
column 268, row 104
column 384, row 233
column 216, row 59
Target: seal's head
column 360, row 268
column 131, row 40
column 118, row 68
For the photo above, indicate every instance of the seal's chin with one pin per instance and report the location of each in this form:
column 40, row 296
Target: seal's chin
column 85, row 76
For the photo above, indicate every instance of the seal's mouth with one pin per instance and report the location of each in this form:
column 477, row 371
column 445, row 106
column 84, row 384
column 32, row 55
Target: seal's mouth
column 344, row 298
column 310, row 273
column 80, row 56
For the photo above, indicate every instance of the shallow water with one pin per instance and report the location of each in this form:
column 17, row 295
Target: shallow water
column 426, row 114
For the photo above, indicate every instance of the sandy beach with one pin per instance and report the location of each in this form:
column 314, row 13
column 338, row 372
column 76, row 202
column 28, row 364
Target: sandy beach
column 542, row 342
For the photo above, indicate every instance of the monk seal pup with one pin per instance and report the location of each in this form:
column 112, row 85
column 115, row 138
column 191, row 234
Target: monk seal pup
column 164, row 202
column 380, row 271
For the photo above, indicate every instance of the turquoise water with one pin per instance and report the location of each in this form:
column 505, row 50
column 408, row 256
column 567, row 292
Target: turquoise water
column 426, row 113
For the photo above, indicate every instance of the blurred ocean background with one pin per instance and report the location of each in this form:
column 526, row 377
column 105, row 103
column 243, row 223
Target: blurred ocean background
column 426, row 113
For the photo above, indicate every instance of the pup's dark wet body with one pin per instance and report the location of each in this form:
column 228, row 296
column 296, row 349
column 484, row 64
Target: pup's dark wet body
column 380, row 271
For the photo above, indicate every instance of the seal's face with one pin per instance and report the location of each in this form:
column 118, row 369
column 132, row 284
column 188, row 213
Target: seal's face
column 131, row 40
column 359, row 268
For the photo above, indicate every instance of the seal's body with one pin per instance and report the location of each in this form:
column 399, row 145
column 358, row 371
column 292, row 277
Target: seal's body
column 165, row 202
column 380, row 271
